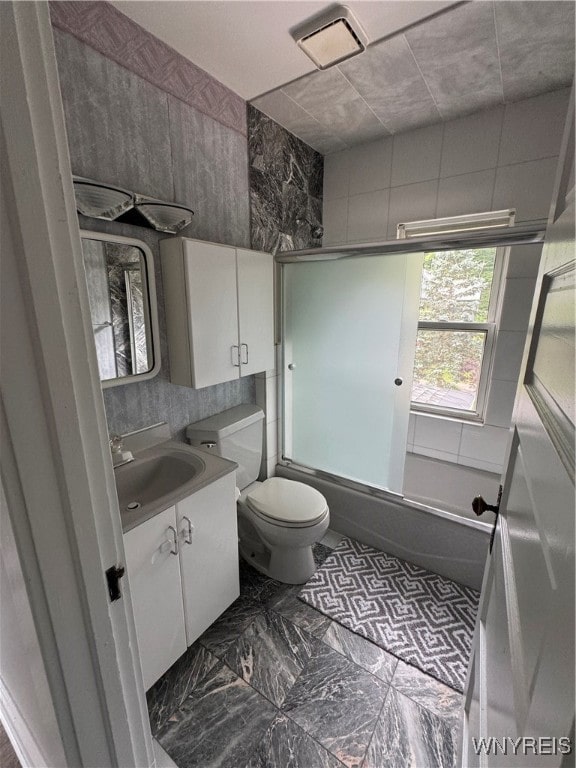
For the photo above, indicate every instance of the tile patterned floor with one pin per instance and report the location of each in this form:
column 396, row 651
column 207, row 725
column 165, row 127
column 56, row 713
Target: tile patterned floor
column 275, row 684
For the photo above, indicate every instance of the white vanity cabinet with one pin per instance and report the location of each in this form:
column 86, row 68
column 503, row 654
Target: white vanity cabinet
column 219, row 311
column 156, row 589
column 183, row 570
column 208, row 554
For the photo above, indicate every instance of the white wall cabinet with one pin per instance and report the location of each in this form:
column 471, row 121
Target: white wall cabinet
column 219, row 311
column 183, row 570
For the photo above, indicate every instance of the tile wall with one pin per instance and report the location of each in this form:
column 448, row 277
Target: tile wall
column 126, row 131
column 500, row 158
column 285, row 177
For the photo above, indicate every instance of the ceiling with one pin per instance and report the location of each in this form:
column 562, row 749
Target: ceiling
column 425, row 62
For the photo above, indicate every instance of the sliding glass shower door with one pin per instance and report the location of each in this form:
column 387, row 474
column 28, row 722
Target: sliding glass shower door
column 349, row 339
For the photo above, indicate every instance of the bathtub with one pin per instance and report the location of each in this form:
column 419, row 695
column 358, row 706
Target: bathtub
column 448, row 487
column 445, row 541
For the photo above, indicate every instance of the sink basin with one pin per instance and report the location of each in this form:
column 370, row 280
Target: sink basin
column 148, row 479
column 162, row 474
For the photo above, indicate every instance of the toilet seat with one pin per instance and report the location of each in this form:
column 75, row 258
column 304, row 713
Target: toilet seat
column 287, row 503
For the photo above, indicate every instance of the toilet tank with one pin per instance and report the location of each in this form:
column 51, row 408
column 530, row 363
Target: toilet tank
column 235, row 434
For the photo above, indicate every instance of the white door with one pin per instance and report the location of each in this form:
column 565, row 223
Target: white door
column 210, row 274
column 255, row 310
column 54, row 455
column 153, row 565
column 520, row 696
column 208, row 553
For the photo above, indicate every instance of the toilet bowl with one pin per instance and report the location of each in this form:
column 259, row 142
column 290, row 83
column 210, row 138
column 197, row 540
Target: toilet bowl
column 279, row 520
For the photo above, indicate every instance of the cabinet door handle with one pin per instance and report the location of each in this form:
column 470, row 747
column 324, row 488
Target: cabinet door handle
column 232, row 348
column 174, row 550
column 245, row 362
column 188, row 535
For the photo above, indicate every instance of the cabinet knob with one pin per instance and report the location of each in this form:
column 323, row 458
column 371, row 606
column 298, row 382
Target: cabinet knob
column 291, row 366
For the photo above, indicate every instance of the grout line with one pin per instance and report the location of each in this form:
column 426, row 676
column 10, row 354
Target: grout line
column 351, row 84
column 442, row 118
column 440, row 169
column 498, row 50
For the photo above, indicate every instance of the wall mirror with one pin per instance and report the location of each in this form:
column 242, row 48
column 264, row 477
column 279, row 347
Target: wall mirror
column 122, row 295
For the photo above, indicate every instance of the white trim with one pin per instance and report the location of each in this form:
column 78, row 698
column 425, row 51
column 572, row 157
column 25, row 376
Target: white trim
column 28, row 751
column 56, row 470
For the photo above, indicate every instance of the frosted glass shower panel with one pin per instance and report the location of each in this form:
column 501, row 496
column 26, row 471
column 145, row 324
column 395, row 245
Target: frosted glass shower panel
column 350, row 333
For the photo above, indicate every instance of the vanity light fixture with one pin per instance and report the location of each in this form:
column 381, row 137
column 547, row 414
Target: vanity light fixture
column 164, row 217
column 331, row 37
column 104, row 201
column 101, row 201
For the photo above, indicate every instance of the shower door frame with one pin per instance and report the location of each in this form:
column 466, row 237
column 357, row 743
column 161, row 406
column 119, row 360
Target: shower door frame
column 523, row 234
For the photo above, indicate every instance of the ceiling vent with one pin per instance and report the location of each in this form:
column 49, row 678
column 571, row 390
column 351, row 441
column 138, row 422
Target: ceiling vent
column 331, row 38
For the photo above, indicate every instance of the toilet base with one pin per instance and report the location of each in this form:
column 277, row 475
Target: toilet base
column 289, row 566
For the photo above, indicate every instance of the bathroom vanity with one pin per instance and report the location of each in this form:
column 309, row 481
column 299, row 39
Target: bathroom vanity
column 181, row 545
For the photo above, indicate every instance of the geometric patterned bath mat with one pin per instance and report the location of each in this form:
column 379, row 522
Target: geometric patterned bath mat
column 423, row 618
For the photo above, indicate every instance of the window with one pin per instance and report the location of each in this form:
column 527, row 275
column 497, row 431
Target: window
column 456, row 331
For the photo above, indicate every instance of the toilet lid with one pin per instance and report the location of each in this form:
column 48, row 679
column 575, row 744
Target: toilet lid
column 287, row 501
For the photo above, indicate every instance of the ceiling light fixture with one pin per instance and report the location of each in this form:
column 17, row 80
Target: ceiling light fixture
column 331, row 37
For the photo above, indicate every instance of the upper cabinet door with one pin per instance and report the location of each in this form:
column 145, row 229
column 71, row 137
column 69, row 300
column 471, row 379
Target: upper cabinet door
column 256, row 310
column 213, row 311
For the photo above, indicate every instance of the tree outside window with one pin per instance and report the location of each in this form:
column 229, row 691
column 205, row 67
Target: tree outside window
column 454, row 330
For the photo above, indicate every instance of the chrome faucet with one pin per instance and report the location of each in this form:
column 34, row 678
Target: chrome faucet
column 119, row 455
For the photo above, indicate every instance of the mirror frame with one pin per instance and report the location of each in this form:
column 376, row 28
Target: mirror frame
column 150, row 279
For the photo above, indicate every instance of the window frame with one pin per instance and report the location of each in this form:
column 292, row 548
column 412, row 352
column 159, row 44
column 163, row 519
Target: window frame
column 490, row 328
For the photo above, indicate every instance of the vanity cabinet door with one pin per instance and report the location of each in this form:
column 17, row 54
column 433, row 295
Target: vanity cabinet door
column 156, row 589
column 255, row 310
column 208, row 554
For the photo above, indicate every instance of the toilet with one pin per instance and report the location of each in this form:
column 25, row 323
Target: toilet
column 279, row 520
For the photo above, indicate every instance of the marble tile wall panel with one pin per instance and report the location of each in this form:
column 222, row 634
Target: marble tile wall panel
column 536, row 42
column 105, row 29
column 210, row 174
column 388, row 78
column 460, row 59
column 125, row 131
column 117, row 123
column 285, row 187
